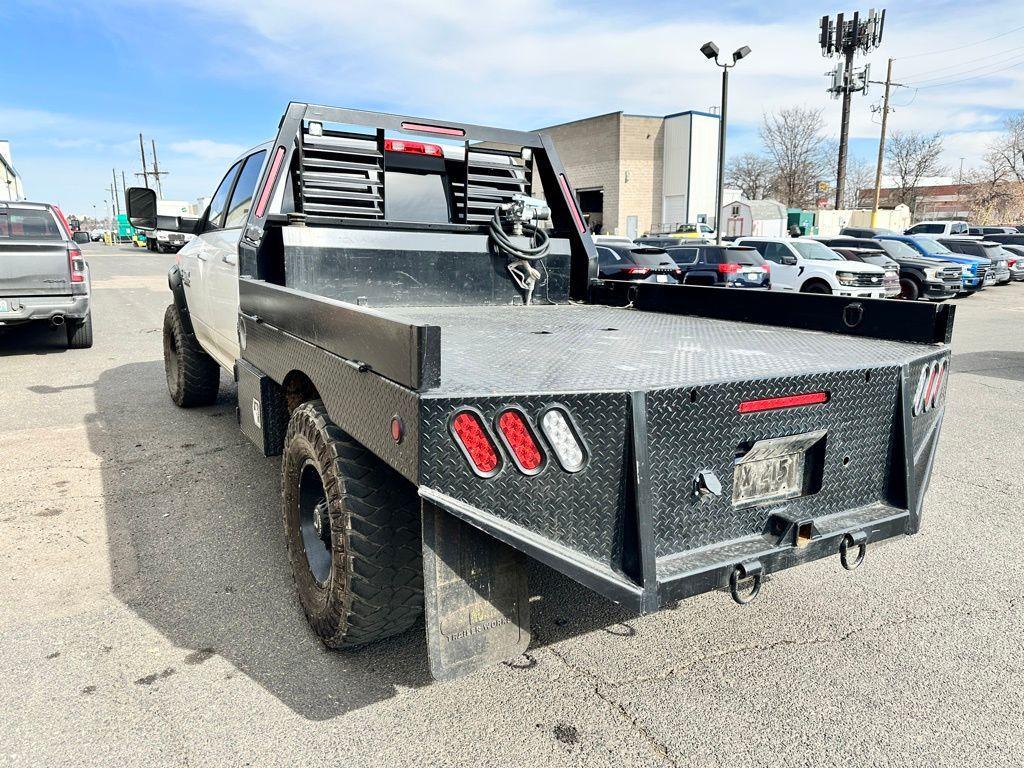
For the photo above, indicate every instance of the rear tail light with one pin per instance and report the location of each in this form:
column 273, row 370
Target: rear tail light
column 413, row 147
column 564, row 439
column 789, row 401
column 268, row 185
column 767, row 268
column 76, row 264
column 475, row 442
column 929, row 387
column 729, row 269
column 638, row 271
column 516, row 433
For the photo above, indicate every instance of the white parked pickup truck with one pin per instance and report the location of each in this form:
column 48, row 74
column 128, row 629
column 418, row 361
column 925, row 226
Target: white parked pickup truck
column 807, row 266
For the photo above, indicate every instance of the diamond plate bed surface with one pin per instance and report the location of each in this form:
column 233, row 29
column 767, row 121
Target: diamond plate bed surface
column 585, row 348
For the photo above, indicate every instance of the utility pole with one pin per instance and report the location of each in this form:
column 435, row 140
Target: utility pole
column 157, row 173
column 113, row 191
column 124, row 191
column 881, row 146
column 844, row 38
column 886, row 109
column 145, row 173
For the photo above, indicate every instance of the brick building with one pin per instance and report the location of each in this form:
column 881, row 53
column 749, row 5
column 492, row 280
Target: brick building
column 638, row 173
column 940, row 201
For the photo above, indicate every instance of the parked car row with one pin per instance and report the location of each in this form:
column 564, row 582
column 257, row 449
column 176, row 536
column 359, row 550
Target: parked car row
column 860, row 263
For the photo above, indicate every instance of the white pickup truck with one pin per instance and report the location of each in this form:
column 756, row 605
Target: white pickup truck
column 807, row 266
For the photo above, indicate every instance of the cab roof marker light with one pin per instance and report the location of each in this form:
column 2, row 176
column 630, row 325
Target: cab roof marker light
column 476, row 444
column 564, row 439
column 515, row 431
column 438, row 129
column 268, row 185
column 789, row 401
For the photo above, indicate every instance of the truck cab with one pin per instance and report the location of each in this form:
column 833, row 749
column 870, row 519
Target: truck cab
column 804, row 265
column 974, row 269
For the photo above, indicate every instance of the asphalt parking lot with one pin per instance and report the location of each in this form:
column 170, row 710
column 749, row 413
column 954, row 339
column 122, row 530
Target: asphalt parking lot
column 147, row 614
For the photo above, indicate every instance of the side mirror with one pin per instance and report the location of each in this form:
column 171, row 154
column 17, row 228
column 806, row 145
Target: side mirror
column 81, row 237
column 141, row 204
column 789, row 259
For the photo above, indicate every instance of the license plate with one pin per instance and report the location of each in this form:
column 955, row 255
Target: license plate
column 662, row 278
column 7, row 306
column 774, row 470
column 754, row 275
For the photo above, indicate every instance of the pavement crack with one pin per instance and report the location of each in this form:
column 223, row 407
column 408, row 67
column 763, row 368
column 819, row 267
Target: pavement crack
column 657, row 746
column 1012, row 605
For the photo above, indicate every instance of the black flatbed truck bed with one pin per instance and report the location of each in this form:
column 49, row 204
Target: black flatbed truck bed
column 671, row 391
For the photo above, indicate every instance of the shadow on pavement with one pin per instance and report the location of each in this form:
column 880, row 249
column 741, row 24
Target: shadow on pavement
column 196, row 547
column 32, row 339
column 997, row 364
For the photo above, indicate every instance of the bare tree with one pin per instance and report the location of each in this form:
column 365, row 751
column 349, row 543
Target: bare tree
column 795, row 143
column 860, row 177
column 1007, row 151
column 994, row 194
column 750, row 173
column 910, row 157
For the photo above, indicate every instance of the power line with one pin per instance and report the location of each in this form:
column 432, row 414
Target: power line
column 1019, row 56
column 961, row 47
column 972, row 77
column 1016, row 50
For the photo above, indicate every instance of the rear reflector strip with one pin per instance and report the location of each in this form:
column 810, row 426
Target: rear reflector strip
column 439, row 129
column 476, row 444
column 564, row 439
column 516, row 433
column 790, row 401
column 570, row 200
column 268, row 186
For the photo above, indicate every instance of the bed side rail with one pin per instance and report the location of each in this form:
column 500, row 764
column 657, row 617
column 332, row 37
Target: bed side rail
column 917, row 322
column 406, row 353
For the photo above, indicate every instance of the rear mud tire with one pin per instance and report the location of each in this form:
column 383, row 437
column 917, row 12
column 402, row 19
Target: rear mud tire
column 80, row 333
column 193, row 377
column 365, row 517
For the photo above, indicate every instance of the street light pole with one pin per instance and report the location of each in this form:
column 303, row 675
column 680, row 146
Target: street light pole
column 720, row 192
column 710, row 51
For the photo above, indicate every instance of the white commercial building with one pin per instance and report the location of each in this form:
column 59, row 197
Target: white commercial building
column 10, row 181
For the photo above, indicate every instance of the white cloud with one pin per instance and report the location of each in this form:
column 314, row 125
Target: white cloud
column 205, row 149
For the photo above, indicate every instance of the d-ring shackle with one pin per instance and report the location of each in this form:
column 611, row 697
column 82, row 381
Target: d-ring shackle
column 858, row 539
column 747, row 570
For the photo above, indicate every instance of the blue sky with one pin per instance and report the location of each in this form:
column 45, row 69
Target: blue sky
column 208, row 78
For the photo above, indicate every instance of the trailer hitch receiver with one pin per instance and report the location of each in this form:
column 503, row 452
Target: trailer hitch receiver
column 859, row 540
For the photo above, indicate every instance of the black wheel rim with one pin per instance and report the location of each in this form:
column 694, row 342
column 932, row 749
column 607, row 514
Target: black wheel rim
column 315, row 524
column 171, row 359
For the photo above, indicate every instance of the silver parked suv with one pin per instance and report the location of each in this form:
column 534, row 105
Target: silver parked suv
column 43, row 276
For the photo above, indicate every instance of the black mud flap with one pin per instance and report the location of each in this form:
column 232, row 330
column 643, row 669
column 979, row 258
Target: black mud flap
column 475, row 594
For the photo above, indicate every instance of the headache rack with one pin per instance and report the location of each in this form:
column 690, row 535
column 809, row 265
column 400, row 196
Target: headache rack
column 341, row 174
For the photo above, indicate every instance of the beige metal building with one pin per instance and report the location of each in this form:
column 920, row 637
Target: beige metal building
column 636, row 174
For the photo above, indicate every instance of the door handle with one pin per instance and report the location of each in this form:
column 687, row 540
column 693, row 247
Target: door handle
column 201, row 256
column 227, row 260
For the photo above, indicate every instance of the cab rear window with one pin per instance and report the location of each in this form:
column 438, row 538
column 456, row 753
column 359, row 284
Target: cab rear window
column 419, row 197
column 28, row 224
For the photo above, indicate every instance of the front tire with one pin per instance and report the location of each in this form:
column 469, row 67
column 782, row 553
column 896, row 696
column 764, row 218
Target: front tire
column 80, row 333
column 816, row 286
column 193, row 377
column 909, row 289
column 352, row 527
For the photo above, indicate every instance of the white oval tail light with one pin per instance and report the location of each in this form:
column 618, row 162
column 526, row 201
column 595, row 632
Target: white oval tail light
column 564, row 438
